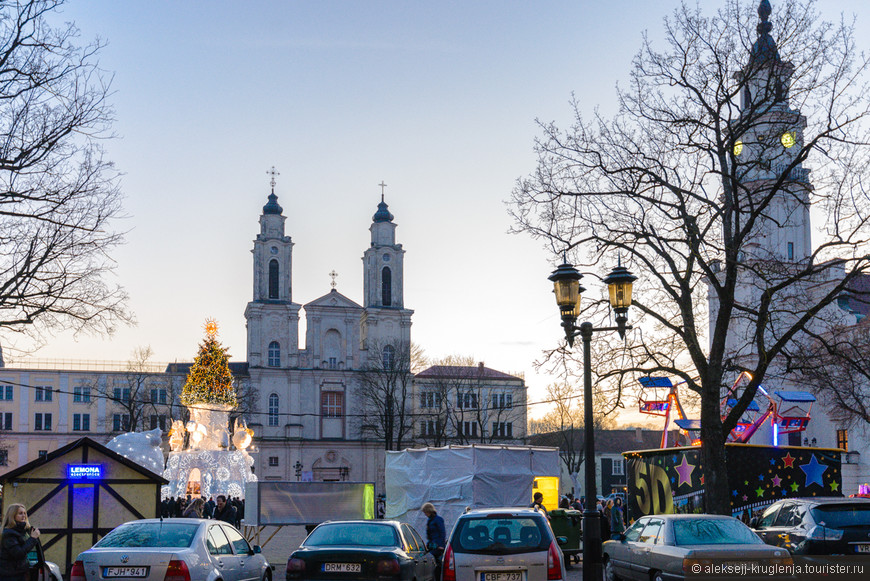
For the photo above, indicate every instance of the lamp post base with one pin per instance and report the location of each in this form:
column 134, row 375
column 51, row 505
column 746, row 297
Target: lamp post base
column 592, row 545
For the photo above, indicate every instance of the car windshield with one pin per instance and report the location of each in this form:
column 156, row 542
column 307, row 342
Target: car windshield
column 699, row 531
column 504, row 534
column 150, row 534
column 355, row 534
column 840, row 516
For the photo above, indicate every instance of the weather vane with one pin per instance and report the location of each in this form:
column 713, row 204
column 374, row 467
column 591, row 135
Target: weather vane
column 383, row 185
column 273, row 172
column 333, row 274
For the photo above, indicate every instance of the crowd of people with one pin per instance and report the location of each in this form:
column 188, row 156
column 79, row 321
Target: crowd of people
column 230, row 510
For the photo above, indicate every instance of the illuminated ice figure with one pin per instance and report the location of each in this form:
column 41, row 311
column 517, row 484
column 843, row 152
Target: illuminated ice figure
column 208, row 467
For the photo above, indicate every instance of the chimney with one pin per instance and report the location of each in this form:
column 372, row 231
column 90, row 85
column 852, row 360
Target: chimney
column 638, row 434
column 480, row 366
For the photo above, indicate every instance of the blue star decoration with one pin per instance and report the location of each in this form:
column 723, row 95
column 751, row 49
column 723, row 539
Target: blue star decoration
column 761, row 476
column 772, row 461
column 733, row 493
column 813, row 470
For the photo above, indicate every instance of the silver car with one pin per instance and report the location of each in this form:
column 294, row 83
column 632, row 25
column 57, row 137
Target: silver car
column 702, row 546
column 502, row 544
column 172, row 549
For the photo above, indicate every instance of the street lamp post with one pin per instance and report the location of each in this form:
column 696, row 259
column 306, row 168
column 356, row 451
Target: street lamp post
column 298, row 467
column 566, row 283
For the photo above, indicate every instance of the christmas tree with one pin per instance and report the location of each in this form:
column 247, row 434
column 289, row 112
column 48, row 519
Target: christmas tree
column 209, row 380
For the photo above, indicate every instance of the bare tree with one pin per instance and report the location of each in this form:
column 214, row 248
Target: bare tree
column 58, row 195
column 697, row 184
column 384, row 392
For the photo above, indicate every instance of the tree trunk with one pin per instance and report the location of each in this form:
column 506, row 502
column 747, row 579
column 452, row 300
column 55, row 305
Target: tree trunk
column 715, row 471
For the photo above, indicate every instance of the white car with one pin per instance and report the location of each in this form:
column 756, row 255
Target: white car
column 172, row 549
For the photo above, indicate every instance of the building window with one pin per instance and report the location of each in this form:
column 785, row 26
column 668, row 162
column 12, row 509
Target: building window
column 430, row 399
column 273, row 460
column 502, row 401
column 43, row 393
column 273, row 279
column 121, row 394
column 333, row 363
column 7, row 421
column 81, row 422
column 386, row 287
column 389, row 356
column 331, row 404
column 43, row 454
column 502, row 430
column 430, row 427
column 469, row 429
column 81, row 394
column 274, row 354
column 791, row 250
column 843, row 440
column 6, row 392
column 42, row 422
column 158, row 395
column 618, row 467
column 466, row 401
column 121, row 422
column 4, row 457
column 158, row 421
column 273, row 409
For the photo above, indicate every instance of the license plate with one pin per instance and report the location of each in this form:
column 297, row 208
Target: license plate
column 125, row 572
column 502, row 576
column 862, row 548
column 342, row 567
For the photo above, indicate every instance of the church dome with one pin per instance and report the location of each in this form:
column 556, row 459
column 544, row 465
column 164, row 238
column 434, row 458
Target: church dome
column 272, row 207
column 764, row 49
column 383, row 214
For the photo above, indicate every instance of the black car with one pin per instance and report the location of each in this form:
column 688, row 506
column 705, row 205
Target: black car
column 365, row 549
column 817, row 526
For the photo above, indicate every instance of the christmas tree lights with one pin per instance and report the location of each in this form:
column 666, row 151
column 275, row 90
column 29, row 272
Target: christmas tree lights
column 210, row 380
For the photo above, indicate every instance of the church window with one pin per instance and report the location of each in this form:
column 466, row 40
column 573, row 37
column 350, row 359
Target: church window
column 843, row 440
column 389, row 357
column 791, row 250
column 333, row 363
column 332, row 349
column 332, row 404
column 273, row 460
column 273, row 279
column 274, row 354
column 386, row 287
column 273, row 409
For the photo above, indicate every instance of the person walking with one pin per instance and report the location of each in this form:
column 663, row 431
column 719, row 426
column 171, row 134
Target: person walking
column 18, row 539
column 605, row 520
column 225, row 511
column 538, row 502
column 617, row 519
column 436, row 536
column 194, row 510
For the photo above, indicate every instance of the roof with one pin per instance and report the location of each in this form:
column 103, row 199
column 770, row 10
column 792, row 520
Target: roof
column 236, row 367
column 608, row 441
column 795, row 396
column 272, row 206
column 81, row 442
column 464, row 371
column 383, row 214
column 333, row 299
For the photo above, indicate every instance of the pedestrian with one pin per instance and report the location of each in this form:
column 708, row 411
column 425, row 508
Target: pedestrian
column 436, row 536
column 564, row 502
column 18, row 539
column 605, row 520
column 194, row 509
column 617, row 519
column 538, row 503
column 208, row 508
column 576, row 504
column 224, row 511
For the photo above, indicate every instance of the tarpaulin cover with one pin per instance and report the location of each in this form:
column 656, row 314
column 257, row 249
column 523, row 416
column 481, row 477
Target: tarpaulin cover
column 457, row 477
column 295, row 503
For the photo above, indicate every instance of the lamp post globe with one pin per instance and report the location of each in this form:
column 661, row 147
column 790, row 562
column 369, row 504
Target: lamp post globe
column 568, row 291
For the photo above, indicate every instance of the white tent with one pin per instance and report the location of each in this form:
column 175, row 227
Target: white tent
column 456, row 477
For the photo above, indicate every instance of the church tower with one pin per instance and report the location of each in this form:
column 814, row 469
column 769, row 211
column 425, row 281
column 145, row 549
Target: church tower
column 386, row 320
column 272, row 316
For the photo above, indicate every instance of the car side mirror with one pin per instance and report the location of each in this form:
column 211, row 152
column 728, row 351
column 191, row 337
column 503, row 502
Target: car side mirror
column 562, row 540
column 753, row 522
column 620, row 537
column 257, row 549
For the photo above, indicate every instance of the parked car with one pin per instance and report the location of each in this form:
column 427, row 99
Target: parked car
column 177, row 549
column 817, row 526
column 677, row 546
column 362, row 549
column 40, row 569
column 502, row 544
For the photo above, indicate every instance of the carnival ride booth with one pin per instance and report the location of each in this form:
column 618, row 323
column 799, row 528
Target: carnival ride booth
column 454, row 478
column 80, row 492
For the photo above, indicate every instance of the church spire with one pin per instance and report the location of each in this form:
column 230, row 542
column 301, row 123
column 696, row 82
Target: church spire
column 764, row 50
column 272, row 206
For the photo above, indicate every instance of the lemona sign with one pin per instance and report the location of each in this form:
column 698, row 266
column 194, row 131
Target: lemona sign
column 84, row 471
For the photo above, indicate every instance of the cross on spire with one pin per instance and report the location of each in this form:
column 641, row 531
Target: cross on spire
column 273, row 172
column 383, row 185
column 333, row 275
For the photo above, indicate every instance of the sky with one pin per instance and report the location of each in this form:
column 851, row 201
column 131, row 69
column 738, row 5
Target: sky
column 439, row 100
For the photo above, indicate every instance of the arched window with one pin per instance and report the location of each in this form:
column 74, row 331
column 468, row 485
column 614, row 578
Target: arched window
column 273, row 409
column 273, row 279
column 389, row 359
column 386, row 287
column 274, row 354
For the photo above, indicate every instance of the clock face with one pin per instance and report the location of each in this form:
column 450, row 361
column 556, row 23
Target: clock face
column 386, row 257
column 788, row 139
column 738, row 147
column 274, row 250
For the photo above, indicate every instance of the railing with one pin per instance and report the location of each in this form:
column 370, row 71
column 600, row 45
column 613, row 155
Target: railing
column 82, row 365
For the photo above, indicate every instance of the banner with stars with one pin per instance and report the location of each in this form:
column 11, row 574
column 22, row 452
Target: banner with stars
column 671, row 480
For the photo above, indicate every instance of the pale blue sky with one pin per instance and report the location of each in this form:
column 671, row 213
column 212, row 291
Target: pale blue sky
column 438, row 99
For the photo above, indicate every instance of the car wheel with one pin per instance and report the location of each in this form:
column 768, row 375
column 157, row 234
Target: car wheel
column 610, row 571
column 267, row 576
column 657, row 576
